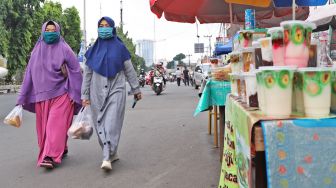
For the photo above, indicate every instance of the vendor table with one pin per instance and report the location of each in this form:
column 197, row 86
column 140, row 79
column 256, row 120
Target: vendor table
column 299, row 152
column 214, row 94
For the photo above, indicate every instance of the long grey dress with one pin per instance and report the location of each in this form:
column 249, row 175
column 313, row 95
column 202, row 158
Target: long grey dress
column 108, row 98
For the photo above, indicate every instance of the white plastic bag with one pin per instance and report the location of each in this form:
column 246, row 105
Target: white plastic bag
column 82, row 126
column 14, row 118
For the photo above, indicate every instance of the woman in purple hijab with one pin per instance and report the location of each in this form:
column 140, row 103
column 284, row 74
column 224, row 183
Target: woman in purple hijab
column 51, row 89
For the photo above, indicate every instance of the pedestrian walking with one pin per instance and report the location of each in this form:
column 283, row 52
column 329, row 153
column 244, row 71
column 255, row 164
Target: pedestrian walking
column 51, row 89
column 107, row 68
column 186, row 76
column 178, row 74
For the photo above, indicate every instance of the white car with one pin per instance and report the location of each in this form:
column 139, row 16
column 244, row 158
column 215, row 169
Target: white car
column 201, row 73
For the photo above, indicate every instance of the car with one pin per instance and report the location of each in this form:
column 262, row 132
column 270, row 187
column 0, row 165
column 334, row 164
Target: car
column 201, row 74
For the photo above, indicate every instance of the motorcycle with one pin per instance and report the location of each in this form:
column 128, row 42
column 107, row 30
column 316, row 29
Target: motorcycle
column 142, row 80
column 157, row 85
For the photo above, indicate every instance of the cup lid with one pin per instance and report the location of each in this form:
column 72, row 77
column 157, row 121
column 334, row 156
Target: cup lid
column 277, row 68
column 265, row 38
column 315, row 69
column 274, row 29
column 248, row 49
column 249, row 74
column 291, row 22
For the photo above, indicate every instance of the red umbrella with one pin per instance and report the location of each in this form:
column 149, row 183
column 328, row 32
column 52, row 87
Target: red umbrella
column 218, row 11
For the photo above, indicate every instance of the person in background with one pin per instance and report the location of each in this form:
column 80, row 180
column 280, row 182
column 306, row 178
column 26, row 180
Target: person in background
column 178, row 74
column 186, row 76
column 51, row 89
column 107, row 69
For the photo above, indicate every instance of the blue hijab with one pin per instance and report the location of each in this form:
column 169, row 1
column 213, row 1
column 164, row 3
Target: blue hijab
column 107, row 56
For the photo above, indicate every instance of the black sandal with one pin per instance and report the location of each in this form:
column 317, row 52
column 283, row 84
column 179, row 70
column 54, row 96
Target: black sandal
column 47, row 163
column 65, row 153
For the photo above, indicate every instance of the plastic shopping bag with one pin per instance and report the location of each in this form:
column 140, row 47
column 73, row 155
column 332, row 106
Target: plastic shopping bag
column 14, row 118
column 82, row 126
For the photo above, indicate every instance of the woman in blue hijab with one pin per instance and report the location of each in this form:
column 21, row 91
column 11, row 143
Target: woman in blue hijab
column 108, row 66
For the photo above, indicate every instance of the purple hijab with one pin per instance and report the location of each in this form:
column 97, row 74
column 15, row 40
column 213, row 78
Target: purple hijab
column 43, row 78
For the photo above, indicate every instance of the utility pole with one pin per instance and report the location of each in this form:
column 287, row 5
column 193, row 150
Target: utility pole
column 85, row 44
column 100, row 10
column 121, row 16
column 189, row 59
column 209, row 36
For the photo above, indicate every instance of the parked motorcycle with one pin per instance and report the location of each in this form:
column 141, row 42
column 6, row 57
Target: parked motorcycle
column 157, row 85
column 142, row 80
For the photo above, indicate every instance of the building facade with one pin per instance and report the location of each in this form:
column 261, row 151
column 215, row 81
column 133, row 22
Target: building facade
column 145, row 49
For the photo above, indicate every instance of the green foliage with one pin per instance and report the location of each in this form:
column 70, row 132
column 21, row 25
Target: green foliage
column 179, row 57
column 171, row 65
column 136, row 60
column 72, row 33
column 16, row 20
column 20, row 28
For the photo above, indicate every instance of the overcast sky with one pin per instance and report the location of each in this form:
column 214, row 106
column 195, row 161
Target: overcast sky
column 172, row 38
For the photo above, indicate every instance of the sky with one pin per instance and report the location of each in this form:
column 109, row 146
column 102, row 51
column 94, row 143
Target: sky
column 171, row 38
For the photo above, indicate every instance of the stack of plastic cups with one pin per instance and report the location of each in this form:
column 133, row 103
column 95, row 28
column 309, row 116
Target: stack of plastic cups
column 236, row 62
column 266, row 51
column 297, row 42
column 251, row 89
column 257, row 53
column 248, row 57
column 234, row 84
column 278, row 48
column 277, row 83
column 316, row 91
column 245, row 38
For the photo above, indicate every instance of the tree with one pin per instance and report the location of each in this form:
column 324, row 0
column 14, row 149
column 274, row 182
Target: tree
column 72, row 32
column 18, row 23
column 131, row 48
column 171, row 64
column 179, row 57
column 3, row 31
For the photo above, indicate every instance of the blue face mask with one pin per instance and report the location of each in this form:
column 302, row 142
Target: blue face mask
column 105, row 32
column 51, row 37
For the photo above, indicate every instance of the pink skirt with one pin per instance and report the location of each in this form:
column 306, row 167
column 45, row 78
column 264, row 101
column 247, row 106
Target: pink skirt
column 53, row 119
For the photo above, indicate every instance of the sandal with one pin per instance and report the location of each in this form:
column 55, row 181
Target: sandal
column 47, row 163
column 65, row 153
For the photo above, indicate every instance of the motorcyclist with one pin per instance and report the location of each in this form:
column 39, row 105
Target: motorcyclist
column 159, row 71
column 142, row 77
column 142, row 73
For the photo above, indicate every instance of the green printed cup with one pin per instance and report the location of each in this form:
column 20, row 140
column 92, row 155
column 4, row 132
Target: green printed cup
column 297, row 36
column 277, row 83
column 316, row 91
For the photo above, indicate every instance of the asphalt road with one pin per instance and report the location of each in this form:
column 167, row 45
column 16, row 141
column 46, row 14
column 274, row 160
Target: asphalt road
column 162, row 146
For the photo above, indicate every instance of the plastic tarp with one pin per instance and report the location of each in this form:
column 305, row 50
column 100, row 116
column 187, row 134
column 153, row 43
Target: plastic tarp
column 323, row 17
column 226, row 48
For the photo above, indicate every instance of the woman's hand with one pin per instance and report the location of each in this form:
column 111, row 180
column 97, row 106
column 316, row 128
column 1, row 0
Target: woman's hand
column 85, row 102
column 138, row 96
